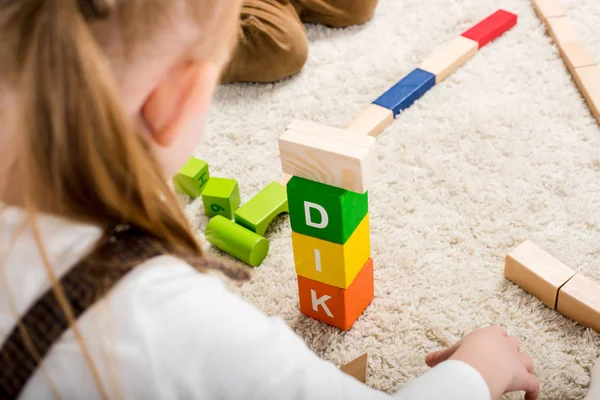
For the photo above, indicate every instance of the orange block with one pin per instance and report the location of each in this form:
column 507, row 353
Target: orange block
column 335, row 306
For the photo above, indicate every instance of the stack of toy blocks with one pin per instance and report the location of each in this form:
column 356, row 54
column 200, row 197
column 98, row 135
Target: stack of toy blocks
column 328, row 204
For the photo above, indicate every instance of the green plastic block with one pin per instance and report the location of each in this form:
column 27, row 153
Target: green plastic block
column 236, row 240
column 192, row 178
column 257, row 214
column 221, row 196
column 323, row 211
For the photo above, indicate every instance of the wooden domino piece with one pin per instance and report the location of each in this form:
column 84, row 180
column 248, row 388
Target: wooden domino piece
column 258, row 213
column 579, row 299
column 588, row 81
column 328, row 159
column 562, row 30
column 451, row 57
column 408, row 90
column 372, row 121
column 236, row 240
column 335, row 306
column 192, row 178
column 221, row 196
column 332, row 263
column 357, row 368
column 548, row 8
column 492, row 27
column 537, row 272
column 576, row 56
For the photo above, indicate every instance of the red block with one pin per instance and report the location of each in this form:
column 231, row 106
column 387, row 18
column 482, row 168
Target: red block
column 492, row 27
column 335, row 306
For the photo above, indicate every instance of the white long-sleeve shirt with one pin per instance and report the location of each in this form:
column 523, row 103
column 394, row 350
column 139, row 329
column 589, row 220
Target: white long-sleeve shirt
column 168, row 332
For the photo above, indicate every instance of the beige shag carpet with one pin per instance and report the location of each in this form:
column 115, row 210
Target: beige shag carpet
column 503, row 151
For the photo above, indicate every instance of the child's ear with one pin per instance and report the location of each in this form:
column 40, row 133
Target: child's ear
column 181, row 97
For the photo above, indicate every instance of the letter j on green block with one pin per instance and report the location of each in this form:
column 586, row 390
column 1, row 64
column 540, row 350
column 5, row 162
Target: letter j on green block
column 323, row 211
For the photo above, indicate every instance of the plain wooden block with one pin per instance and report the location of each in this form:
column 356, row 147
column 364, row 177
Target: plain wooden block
column 331, row 132
column 562, row 30
column 451, row 57
column 576, row 55
column 537, row 272
column 588, row 80
column 548, row 8
column 357, row 368
column 372, row 121
column 327, row 159
column 579, row 299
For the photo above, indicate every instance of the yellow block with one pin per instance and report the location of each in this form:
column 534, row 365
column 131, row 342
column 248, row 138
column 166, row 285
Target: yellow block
column 332, row 263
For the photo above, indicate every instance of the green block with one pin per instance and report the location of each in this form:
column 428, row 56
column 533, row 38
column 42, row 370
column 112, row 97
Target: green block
column 192, row 178
column 323, row 211
column 221, row 196
column 257, row 214
column 236, row 240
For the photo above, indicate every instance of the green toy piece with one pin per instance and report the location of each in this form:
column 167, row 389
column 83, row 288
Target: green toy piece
column 221, row 196
column 257, row 214
column 237, row 240
column 192, row 178
column 323, row 211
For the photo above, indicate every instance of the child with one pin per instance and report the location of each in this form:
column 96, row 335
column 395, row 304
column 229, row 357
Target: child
column 272, row 44
column 100, row 103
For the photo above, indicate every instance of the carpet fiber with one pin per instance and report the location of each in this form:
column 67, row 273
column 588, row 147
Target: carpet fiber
column 503, row 151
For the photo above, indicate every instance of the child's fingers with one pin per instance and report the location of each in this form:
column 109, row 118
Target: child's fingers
column 437, row 357
column 527, row 362
column 514, row 343
column 532, row 387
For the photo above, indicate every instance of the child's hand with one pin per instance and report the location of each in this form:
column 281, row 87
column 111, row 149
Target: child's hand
column 497, row 358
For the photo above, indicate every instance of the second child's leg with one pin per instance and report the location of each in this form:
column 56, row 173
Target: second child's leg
column 272, row 43
column 336, row 13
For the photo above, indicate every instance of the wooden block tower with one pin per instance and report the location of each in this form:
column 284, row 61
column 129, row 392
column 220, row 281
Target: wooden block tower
column 329, row 214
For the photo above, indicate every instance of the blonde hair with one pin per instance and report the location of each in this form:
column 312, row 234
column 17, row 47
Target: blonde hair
column 74, row 150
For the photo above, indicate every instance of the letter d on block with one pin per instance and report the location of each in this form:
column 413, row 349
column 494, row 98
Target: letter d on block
column 320, row 302
column 324, row 217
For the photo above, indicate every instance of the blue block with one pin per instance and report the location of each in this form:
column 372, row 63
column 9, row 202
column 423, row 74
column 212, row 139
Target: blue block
column 407, row 91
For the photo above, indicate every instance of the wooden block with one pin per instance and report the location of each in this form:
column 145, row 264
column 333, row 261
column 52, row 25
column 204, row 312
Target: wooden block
column 372, row 121
column 330, row 132
column 562, row 31
column 537, row 272
column 221, row 196
column 588, row 80
column 576, row 55
column 492, row 27
column 548, row 8
column 192, row 178
column 335, row 306
column 331, row 263
column 404, row 93
column 237, row 241
column 451, row 57
column 257, row 214
column 323, row 211
column 579, row 299
column 326, row 159
column 357, row 368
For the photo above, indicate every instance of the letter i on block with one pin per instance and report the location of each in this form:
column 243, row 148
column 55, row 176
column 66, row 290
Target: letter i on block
column 328, row 205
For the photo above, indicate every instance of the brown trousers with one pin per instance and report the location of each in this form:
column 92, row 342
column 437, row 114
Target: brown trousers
column 272, row 43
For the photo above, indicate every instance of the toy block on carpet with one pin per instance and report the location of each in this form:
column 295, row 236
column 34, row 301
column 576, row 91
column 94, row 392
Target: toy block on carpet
column 221, row 196
column 335, row 306
column 192, row 178
column 492, row 27
column 236, row 240
column 323, row 211
column 404, row 93
column 579, row 299
column 537, row 272
column 562, row 30
column 372, row 121
column 326, row 159
column 331, row 263
column 548, row 8
column 576, row 56
column 449, row 58
column 357, row 368
column 257, row 214
column 588, row 81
